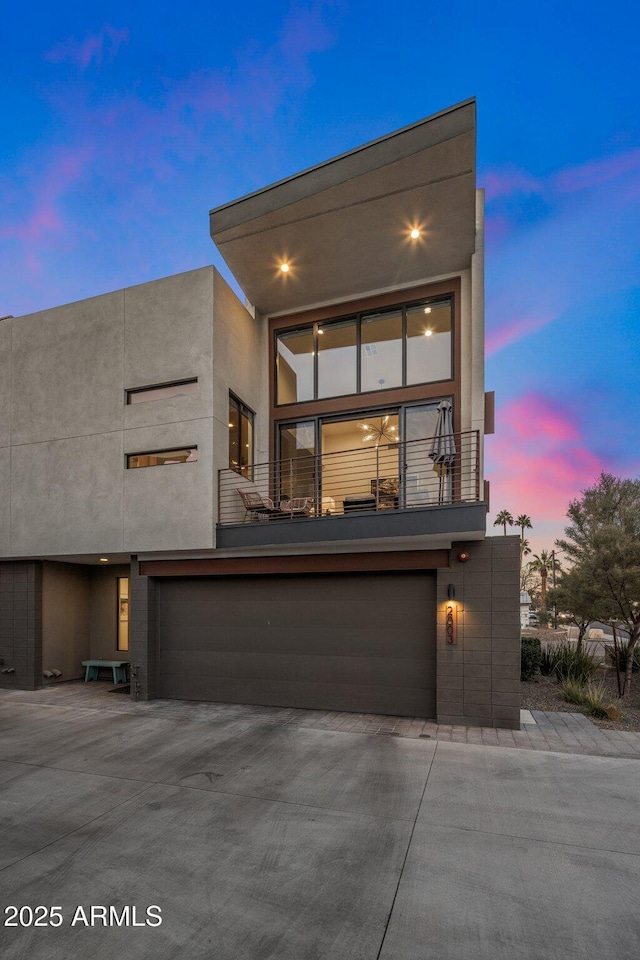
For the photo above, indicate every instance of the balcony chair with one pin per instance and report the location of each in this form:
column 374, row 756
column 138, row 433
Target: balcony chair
column 297, row 507
column 258, row 507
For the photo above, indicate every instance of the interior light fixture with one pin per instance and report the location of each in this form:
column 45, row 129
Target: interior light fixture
column 284, row 267
column 104, row 559
column 415, row 233
column 427, row 309
column 428, row 333
column 321, row 331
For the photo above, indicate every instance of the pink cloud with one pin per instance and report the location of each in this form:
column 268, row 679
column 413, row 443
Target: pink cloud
column 538, row 461
column 507, row 181
column 46, row 218
column 91, row 48
column 512, row 332
column 595, row 172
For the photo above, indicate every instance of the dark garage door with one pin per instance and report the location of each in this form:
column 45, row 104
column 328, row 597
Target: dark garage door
column 357, row 642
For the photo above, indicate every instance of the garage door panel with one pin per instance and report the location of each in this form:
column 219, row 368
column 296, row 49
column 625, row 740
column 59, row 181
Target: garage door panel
column 295, row 640
column 392, row 701
column 278, row 613
column 382, row 671
column 355, row 642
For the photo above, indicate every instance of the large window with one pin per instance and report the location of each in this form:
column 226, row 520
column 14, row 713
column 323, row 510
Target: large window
column 401, row 346
column 240, row 437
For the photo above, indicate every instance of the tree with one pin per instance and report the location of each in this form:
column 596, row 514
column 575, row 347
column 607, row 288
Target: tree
column 542, row 564
column 503, row 518
column 525, row 549
column 524, row 522
column 603, row 541
column 577, row 593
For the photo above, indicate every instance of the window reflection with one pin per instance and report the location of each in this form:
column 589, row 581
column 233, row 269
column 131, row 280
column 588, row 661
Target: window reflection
column 337, row 359
column 381, row 351
column 240, row 437
column 294, row 366
column 429, row 342
column 297, row 460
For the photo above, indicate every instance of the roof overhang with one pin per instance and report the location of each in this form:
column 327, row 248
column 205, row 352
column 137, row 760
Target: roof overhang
column 343, row 226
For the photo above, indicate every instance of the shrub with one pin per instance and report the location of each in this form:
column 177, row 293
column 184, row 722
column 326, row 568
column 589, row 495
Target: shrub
column 573, row 664
column 610, row 654
column 530, row 657
column 592, row 696
column 549, row 659
column 573, row 691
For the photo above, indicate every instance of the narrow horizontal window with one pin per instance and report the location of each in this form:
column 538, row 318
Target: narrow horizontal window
column 181, row 388
column 161, row 458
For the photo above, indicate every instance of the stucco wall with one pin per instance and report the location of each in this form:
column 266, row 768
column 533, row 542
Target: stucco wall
column 65, row 426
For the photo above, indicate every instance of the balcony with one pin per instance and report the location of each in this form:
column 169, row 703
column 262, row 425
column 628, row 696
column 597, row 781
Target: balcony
column 427, row 487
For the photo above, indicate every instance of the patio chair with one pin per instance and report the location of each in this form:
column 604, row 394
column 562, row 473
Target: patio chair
column 256, row 506
column 298, row 507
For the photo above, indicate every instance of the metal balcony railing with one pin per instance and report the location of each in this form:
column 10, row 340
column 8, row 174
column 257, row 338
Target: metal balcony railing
column 428, row 472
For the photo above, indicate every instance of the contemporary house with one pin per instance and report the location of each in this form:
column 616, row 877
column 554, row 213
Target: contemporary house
column 278, row 500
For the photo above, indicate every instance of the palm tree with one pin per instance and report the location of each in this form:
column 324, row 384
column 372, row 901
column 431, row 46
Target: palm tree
column 503, row 518
column 542, row 564
column 524, row 522
column 525, row 550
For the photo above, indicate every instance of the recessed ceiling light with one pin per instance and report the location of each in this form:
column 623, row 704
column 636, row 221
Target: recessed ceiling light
column 104, row 559
column 427, row 309
column 415, row 233
column 284, row 267
column 428, row 333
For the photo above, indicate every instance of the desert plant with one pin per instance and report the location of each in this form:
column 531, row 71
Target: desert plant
column 595, row 694
column 590, row 695
column 573, row 664
column 530, row 657
column 549, row 659
column 610, row 654
column 573, row 692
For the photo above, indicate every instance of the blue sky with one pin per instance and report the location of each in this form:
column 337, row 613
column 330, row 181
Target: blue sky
column 125, row 123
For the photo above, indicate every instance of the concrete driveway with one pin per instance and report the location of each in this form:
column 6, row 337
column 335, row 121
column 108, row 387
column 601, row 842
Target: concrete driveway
column 268, row 842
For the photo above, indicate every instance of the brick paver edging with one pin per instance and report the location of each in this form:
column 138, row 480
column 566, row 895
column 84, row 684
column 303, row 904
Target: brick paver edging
column 557, row 732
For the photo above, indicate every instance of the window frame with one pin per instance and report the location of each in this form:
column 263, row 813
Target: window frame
column 243, row 409
column 151, row 453
column 119, row 599
column 358, row 317
column 140, row 391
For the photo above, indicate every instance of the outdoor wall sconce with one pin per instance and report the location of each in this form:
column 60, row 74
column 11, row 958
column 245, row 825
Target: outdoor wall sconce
column 451, row 591
column 463, row 556
column 451, row 624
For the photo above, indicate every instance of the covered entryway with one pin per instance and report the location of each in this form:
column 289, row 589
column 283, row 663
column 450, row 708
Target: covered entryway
column 362, row 642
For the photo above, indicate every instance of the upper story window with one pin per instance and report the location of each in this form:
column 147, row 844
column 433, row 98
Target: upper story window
column 402, row 346
column 181, row 388
column 160, row 458
column 240, row 436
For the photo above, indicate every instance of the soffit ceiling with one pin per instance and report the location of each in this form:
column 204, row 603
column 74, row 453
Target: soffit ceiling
column 343, row 226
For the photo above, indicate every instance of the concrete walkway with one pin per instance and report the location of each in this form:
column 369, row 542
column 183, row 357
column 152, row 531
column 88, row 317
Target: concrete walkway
column 261, row 838
column 559, row 732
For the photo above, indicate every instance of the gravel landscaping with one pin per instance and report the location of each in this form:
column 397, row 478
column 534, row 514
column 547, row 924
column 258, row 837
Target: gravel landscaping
column 543, row 693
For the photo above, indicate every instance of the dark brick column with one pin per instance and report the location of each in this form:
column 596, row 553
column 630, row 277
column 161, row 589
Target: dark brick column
column 21, row 625
column 142, row 635
column 479, row 677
